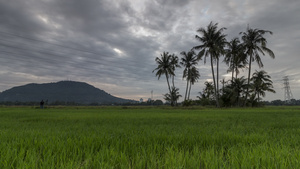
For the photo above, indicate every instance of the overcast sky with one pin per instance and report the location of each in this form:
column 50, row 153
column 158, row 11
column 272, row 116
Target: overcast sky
column 112, row 44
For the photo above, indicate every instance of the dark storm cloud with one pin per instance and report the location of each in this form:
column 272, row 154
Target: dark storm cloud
column 90, row 17
column 97, row 27
column 112, row 44
column 18, row 15
column 282, row 18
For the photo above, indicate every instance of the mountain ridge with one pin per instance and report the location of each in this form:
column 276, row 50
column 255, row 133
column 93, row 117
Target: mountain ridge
column 62, row 91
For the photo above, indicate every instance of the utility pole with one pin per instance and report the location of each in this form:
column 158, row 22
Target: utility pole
column 223, row 82
column 152, row 97
column 151, row 94
column 287, row 90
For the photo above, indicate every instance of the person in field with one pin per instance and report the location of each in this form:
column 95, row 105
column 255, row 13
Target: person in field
column 42, row 104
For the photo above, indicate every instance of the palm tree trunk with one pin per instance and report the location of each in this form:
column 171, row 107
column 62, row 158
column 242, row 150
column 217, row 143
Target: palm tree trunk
column 168, row 85
column 223, row 85
column 236, row 70
column 189, row 91
column 233, row 69
column 238, row 99
column 232, row 74
column 218, row 77
column 186, row 90
column 173, row 81
column 175, row 101
column 215, row 87
column 249, row 73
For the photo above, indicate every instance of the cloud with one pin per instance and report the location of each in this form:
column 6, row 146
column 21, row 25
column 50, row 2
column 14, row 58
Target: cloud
column 112, row 44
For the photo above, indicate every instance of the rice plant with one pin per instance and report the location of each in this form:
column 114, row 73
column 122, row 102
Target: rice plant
column 151, row 137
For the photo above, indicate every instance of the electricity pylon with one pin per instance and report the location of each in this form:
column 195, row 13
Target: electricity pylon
column 287, row 90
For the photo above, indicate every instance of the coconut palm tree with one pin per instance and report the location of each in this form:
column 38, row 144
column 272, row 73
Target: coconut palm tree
column 193, row 77
column 209, row 89
column 261, row 82
column 254, row 44
column 174, row 64
column 235, row 57
column 212, row 44
column 222, row 43
column 206, row 96
column 173, row 96
column 164, row 67
column 188, row 61
column 238, row 86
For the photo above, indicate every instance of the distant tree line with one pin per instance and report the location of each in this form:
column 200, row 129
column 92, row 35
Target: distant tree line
column 238, row 54
column 292, row 102
column 199, row 101
column 63, row 103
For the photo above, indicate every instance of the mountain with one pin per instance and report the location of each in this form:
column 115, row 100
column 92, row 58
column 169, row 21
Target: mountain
column 63, row 91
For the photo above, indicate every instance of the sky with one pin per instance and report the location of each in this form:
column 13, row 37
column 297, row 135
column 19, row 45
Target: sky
column 112, row 44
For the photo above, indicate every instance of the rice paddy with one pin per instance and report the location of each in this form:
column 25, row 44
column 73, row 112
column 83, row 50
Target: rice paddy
column 149, row 137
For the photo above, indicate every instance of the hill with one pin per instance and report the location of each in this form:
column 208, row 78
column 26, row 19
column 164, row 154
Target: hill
column 63, row 91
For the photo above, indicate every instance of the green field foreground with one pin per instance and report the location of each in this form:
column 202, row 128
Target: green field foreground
column 149, row 137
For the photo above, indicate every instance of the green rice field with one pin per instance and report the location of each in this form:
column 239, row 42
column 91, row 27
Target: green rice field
column 149, row 137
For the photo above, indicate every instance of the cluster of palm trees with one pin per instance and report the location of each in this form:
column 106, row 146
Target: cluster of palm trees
column 234, row 93
column 238, row 54
column 167, row 64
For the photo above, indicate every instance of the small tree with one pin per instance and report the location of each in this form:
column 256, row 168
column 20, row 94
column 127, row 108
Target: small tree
column 207, row 95
column 261, row 82
column 239, row 87
column 173, row 96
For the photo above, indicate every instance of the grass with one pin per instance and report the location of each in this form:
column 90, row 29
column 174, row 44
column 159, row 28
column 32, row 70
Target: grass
column 139, row 137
